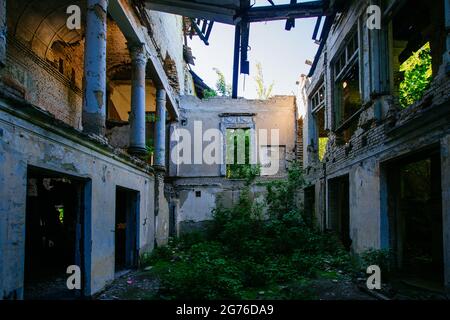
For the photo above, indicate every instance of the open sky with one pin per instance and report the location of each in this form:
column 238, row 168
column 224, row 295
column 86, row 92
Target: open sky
column 281, row 53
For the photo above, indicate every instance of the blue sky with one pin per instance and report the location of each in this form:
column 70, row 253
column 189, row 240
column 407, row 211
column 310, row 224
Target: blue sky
column 282, row 54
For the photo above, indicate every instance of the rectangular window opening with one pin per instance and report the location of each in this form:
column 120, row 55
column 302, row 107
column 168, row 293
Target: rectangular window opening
column 237, row 153
column 347, row 98
column 417, row 49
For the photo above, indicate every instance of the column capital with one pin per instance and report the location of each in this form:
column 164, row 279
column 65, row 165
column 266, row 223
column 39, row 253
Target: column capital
column 160, row 94
column 138, row 53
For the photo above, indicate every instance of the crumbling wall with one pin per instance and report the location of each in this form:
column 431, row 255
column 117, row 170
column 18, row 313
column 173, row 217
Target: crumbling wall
column 166, row 26
column 52, row 147
column 384, row 132
column 41, row 84
column 200, row 187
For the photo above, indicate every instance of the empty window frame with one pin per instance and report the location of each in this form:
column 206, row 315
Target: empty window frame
column 347, row 97
column 237, row 153
column 320, row 134
column 417, row 47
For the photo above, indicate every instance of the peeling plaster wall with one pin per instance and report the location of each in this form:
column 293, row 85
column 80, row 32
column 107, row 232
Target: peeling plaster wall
column 166, row 26
column 385, row 132
column 278, row 112
column 42, row 85
column 194, row 212
column 162, row 210
column 365, row 205
column 23, row 144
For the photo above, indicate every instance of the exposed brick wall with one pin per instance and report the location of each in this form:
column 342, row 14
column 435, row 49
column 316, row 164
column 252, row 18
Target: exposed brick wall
column 117, row 52
column 42, row 84
column 372, row 135
column 299, row 143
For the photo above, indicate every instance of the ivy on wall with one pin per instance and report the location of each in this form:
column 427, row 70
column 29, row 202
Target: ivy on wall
column 418, row 73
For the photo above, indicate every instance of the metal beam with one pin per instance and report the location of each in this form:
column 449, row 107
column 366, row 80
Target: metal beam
column 286, row 11
column 316, row 28
column 199, row 32
column 192, row 9
column 323, row 39
column 237, row 51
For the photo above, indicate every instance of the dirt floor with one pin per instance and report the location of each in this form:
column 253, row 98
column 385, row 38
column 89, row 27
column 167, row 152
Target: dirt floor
column 142, row 285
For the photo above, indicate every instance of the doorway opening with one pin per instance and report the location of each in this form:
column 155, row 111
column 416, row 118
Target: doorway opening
column 173, row 219
column 126, row 246
column 310, row 205
column 339, row 209
column 54, row 234
column 415, row 219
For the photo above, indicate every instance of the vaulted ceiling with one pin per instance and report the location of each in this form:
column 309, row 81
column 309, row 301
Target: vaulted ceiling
column 39, row 24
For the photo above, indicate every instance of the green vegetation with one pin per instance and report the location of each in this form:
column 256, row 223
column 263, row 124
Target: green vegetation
column 150, row 149
column 222, row 87
column 209, row 93
column 252, row 250
column 263, row 92
column 322, row 147
column 418, row 73
column 239, row 139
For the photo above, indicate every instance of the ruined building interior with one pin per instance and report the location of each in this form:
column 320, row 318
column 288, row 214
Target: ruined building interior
column 376, row 154
column 87, row 116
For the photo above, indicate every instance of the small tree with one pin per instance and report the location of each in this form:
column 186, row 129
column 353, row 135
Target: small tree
column 222, row 87
column 262, row 91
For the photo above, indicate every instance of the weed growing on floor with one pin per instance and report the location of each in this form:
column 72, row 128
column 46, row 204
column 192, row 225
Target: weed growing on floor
column 252, row 250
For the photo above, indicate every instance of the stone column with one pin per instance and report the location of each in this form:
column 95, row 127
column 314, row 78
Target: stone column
column 137, row 115
column 2, row 33
column 94, row 98
column 160, row 129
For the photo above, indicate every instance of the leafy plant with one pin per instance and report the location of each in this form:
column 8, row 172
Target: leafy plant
column 222, row 87
column 246, row 254
column 150, row 149
column 418, row 73
column 263, row 92
column 209, row 93
column 378, row 257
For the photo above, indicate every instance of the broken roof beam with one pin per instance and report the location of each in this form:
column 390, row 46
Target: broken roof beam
column 217, row 13
column 287, row 11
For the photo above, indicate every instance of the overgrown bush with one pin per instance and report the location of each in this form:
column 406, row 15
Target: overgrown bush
column 243, row 250
column 381, row 258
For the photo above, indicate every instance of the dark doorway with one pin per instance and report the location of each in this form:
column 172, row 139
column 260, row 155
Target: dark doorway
column 310, row 205
column 172, row 220
column 415, row 217
column 127, row 204
column 54, row 233
column 339, row 209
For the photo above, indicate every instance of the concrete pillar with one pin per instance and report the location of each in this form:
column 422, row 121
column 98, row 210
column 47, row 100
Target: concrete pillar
column 94, row 98
column 445, row 181
column 160, row 129
column 2, row 33
column 137, row 115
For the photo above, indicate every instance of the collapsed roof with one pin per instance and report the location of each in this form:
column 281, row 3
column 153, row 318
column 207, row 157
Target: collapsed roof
column 241, row 13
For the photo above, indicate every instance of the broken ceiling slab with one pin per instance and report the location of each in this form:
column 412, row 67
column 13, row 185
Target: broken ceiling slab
column 216, row 10
column 233, row 11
